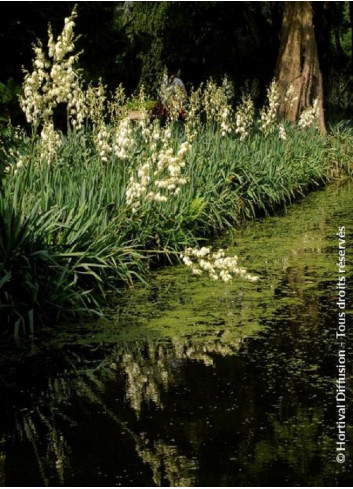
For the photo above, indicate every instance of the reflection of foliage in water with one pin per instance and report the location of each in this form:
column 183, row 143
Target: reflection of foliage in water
column 296, row 443
column 167, row 464
column 164, row 460
column 279, row 331
column 149, row 366
column 40, row 423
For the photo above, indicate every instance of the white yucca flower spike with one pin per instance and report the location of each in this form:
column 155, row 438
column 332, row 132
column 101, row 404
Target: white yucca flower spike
column 310, row 116
column 217, row 106
column 102, row 140
column 193, row 113
column 50, row 142
column 160, row 174
column 53, row 79
column 244, row 116
column 290, row 96
column 268, row 114
column 123, row 139
column 282, row 132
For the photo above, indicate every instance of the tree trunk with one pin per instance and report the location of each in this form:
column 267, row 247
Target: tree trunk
column 298, row 63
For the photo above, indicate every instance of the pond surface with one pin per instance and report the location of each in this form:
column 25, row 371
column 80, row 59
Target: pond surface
column 192, row 382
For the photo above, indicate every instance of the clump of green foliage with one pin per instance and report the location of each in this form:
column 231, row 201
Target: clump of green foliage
column 85, row 213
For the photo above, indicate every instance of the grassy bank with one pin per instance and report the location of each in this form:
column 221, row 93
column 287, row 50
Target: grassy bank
column 89, row 205
column 68, row 236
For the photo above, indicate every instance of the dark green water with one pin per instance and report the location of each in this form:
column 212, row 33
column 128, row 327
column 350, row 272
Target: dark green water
column 193, row 382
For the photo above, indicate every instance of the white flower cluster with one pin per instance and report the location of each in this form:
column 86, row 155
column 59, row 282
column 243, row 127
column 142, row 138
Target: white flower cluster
column 113, row 131
column 169, row 167
column 50, row 142
column 34, row 100
column 309, row 116
column 53, row 79
column 118, row 140
column 217, row 106
column 14, row 159
column 15, row 168
column 290, row 96
column 103, row 143
column 65, row 42
column 210, row 96
column 150, row 132
column 62, row 78
column 244, row 116
column 176, row 104
column 161, row 169
column 193, row 113
column 268, row 114
column 65, row 79
column 96, row 103
column 77, row 106
column 282, row 132
column 173, row 98
column 123, row 139
column 226, row 124
column 216, row 264
column 228, row 88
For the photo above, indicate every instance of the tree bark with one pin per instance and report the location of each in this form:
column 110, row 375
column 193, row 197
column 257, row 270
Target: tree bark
column 298, row 63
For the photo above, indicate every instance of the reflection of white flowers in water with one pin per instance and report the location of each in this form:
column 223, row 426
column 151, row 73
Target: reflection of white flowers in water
column 143, row 379
column 216, row 264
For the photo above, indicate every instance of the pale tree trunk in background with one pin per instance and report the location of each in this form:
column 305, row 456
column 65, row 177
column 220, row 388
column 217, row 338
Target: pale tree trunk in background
column 298, row 62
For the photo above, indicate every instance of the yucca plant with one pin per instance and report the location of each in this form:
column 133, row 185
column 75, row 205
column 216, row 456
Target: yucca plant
column 93, row 210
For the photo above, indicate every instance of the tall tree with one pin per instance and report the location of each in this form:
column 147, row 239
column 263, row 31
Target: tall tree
column 298, row 62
